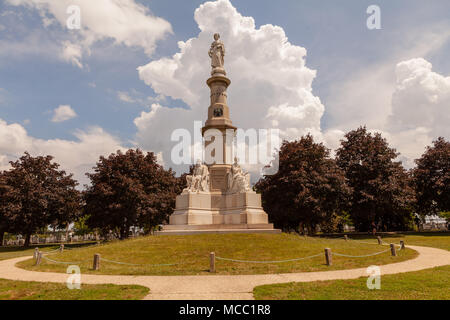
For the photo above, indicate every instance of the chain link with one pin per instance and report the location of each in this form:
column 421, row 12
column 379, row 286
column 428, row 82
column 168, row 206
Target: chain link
column 363, row 256
column 62, row 262
column 138, row 265
column 220, row 258
column 269, row 262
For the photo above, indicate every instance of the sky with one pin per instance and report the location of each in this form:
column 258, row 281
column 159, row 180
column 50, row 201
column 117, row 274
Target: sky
column 135, row 71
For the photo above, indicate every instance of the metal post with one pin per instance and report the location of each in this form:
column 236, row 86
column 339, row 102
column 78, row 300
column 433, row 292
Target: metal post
column 379, row 240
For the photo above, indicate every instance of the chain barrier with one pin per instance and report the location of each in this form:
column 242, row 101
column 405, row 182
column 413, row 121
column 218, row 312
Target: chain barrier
column 62, row 262
column 78, row 248
column 365, row 242
column 363, row 256
column 138, row 265
column 269, row 262
column 219, row 258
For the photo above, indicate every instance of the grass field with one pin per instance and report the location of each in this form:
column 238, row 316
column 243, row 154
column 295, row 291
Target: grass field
column 435, row 240
column 421, row 285
column 14, row 252
column 426, row 284
column 23, row 290
column 191, row 255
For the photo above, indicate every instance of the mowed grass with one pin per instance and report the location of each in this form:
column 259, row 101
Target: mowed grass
column 24, row 290
column 190, row 254
column 435, row 240
column 15, row 252
column 429, row 284
column 421, row 285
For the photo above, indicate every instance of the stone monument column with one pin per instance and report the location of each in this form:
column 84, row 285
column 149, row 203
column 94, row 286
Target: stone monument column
column 219, row 121
column 218, row 196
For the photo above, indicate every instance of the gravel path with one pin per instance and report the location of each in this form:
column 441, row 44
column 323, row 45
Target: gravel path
column 220, row 286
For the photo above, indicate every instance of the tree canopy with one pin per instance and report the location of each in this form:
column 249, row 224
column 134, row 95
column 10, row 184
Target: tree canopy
column 36, row 194
column 432, row 178
column 382, row 196
column 308, row 188
column 129, row 189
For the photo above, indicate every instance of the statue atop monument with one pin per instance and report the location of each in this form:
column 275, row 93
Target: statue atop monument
column 217, row 54
column 238, row 179
column 199, row 180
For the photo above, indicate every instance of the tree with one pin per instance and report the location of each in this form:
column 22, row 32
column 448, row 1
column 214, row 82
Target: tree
column 432, row 178
column 36, row 194
column 382, row 196
column 80, row 226
column 129, row 189
column 4, row 221
column 308, row 188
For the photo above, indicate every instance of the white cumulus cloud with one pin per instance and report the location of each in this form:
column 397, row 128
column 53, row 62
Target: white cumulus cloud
column 126, row 22
column 63, row 113
column 76, row 156
column 271, row 84
column 420, row 108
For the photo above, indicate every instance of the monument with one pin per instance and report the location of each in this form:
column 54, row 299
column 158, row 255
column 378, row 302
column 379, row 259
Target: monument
column 218, row 197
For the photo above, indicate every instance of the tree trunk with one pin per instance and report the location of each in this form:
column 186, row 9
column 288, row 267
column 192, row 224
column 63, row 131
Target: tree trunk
column 301, row 229
column 27, row 240
column 2, row 235
column 124, row 232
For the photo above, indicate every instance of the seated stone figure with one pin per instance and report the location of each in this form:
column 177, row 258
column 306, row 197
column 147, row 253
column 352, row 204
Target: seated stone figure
column 238, row 179
column 199, row 180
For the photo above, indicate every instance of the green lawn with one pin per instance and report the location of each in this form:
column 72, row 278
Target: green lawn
column 14, row 252
column 191, row 255
column 426, row 284
column 22, row 290
column 421, row 285
column 435, row 240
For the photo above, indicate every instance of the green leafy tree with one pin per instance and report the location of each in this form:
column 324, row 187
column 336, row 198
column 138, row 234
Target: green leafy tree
column 4, row 220
column 308, row 188
column 445, row 215
column 432, row 179
column 382, row 196
column 36, row 194
column 81, row 227
column 129, row 190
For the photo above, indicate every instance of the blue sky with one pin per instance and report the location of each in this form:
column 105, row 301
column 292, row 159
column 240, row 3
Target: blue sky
column 34, row 81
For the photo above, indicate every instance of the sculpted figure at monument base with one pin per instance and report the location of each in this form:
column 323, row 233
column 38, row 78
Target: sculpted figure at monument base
column 215, row 210
column 238, row 179
column 199, row 180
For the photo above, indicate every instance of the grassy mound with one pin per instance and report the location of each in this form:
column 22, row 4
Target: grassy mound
column 190, row 255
